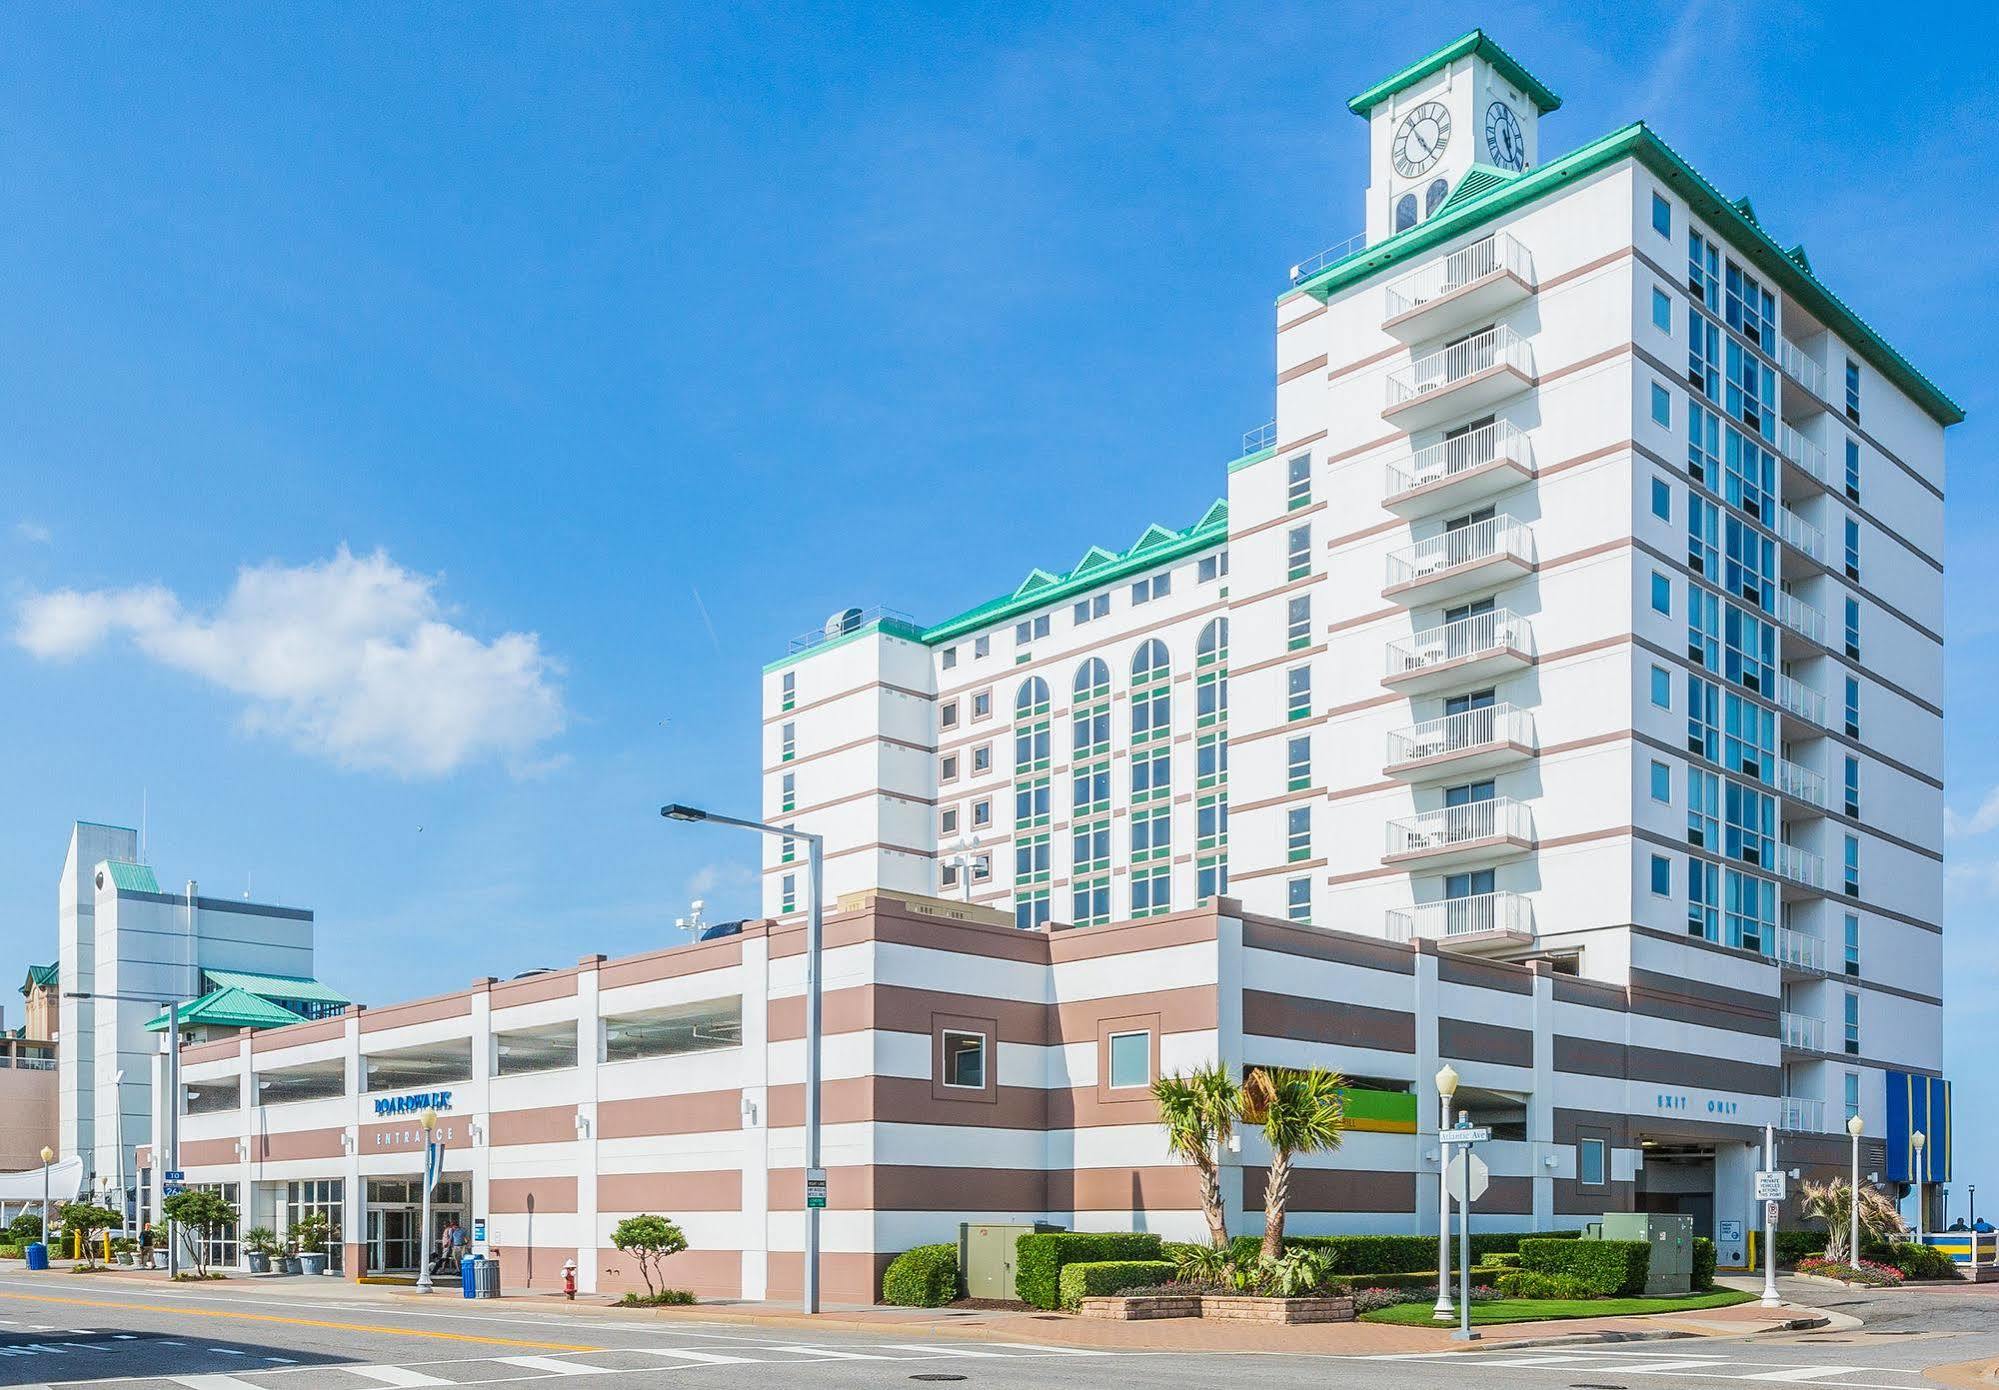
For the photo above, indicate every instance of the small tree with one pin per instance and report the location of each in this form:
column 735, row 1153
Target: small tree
column 312, row 1232
column 86, row 1219
column 1199, row 1111
column 649, row 1239
column 1299, row 1112
column 1832, row 1202
column 204, row 1211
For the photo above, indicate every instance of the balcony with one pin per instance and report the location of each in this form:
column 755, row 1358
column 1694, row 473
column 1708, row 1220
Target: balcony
column 1799, row 868
column 1456, row 472
column 1804, row 378
column 1800, row 1115
column 1479, row 832
column 1802, row 705
column 1468, row 652
column 1474, row 740
column 1800, row 952
column 1455, row 292
column 1801, row 1032
column 1803, row 455
column 1459, row 380
column 1488, row 922
column 1465, row 560
column 1800, row 535
column 1800, row 618
column 1801, row 784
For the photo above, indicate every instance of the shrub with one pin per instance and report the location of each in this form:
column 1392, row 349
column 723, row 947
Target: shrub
column 1611, row 1268
column 1040, row 1255
column 1095, row 1278
column 650, row 1240
column 1415, row 1279
column 1374, row 1300
column 13, row 1252
column 1368, row 1255
column 1921, row 1261
column 1199, row 1264
column 1704, row 1262
column 1503, row 1259
column 664, row 1298
column 25, row 1229
column 1528, row 1283
column 926, row 1277
column 1866, row 1272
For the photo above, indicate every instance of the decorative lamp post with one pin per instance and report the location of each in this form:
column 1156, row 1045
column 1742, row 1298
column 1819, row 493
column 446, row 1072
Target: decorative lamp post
column 429, row 1122
column 1853, row 1127
column 1447, row 1086
column 1918, row 1139
column 48, row 1157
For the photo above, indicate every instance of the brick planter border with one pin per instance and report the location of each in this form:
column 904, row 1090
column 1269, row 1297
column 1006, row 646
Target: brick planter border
column 1143, row 1307
column 1233, row 1307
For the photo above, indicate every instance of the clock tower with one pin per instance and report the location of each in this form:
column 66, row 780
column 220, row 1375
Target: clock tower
column 1466, row 110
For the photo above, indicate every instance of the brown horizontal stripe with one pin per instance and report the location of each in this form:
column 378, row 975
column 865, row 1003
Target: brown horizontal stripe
column 548, row 1124
column 1319, row 943
column 700, row 1112
column 551, row 1194
column 1335, row 1190
column 715, row 1189
column 1485, row 1042
column 1454, row 969
column 417, row 1011
column 1311, row 364
column 1330, row 1021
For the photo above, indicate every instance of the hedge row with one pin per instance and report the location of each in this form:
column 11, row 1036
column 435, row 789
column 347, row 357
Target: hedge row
column 1094, row 1278
column 1366, row 1255
column 1528, row 1283
column 926, row 1277
column 1921, row 1261
column 1611, row 1268
column 1039, row 1258
column 13, row 1252
column 1704, row 1261
column 1416, row 1278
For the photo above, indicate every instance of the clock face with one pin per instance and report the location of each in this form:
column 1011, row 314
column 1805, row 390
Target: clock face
column 1420, row 139
column 1503, row 140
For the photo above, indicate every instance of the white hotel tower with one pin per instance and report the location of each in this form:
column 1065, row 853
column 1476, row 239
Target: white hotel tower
column 1583, row 602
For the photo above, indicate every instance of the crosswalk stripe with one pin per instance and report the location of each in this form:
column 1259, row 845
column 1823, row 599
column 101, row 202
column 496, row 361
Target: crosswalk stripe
column 392, row 1375
column 945, row 1349
column 1049, row 1351
column 832, row 1355
column 1705, row 1365
column 552, row 1366
column 706, row 1358
column 1802, row 1373
column 1532, row 1361
column 212, row 1382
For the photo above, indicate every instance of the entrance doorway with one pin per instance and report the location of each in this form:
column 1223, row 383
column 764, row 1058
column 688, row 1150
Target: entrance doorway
column 396, row 1243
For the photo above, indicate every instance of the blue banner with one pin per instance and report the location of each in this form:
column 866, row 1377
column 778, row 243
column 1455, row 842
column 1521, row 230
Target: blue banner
column 1917, row 1104
column 433, row 1164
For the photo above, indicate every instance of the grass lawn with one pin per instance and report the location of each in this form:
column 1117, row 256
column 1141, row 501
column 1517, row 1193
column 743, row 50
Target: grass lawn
column 1547, row 1309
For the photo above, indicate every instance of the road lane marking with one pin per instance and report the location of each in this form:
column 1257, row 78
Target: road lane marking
column 211, row 1382
column 706, row 1358
column 379, row 1329
column 945, row 1349
column 391, row 1375
column 1803, row 1373
column 831, row 1354
column 550, row 1365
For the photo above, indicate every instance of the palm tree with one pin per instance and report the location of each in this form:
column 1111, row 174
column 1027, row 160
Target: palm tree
column 1199, row 1111
column 1299, row 1112
column 1832, row 1202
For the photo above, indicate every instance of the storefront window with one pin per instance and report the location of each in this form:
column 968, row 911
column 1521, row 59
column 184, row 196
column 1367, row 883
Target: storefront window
column 325, row 1196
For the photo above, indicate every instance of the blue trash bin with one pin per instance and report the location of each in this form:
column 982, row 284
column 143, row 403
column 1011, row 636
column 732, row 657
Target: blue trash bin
column 468, row 1275
column 38, row 1256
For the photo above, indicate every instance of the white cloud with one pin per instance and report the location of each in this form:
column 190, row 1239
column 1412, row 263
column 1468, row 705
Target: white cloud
column 725, row 877
column 350, row 659
column 33, row 532
column 1979, row 822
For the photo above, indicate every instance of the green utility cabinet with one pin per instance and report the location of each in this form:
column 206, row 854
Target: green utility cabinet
column 986, row 1258
column 1671, row 1270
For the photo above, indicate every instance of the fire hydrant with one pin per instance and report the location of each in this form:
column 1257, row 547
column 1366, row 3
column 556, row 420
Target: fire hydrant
column 569, row 1280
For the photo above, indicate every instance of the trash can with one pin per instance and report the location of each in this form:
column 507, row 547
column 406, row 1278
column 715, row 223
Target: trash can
column 489, row 1278
column 468, row 1275
column 38, row 1256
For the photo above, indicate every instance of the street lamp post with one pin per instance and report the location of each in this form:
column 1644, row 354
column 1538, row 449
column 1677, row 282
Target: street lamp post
column 429, row 1122
column 815, row 846
column 1853, row 1127
column 1447, row 1086
column 48, row 1157
column 1918, row 1139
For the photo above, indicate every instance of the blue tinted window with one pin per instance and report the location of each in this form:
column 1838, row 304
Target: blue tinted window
column 1662, row 405
column 1662, row 216
column 1662, row 687
column 1662, row 875
column 1662, row 499
column 1662, row 594
column 1662, row 311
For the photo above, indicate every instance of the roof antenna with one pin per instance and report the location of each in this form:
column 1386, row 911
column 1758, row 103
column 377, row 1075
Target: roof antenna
column 246, row 885
column 142, row 826
column 692, row 923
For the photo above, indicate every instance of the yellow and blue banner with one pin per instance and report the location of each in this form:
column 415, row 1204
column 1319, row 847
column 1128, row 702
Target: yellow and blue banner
column 1917, row 1103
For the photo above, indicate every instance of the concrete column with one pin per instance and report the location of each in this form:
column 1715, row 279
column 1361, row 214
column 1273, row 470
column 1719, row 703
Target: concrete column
column 353, row 1193
column 1423, row 1003
column 589, row 1051
column 1229, row 1046
column 1541, row 1103
column 754, row 1208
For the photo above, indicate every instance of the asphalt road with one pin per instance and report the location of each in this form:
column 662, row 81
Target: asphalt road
column 72, row 1331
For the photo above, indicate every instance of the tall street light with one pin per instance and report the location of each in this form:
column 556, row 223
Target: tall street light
column 1919, row 1139
column 169, row 1142
column 1853, row 1127
column 814, row 933
column 429, row 1122
column 1447, row 1086
column 48, row 1157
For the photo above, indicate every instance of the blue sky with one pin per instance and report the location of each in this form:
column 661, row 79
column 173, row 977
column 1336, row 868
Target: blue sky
column 577, row 356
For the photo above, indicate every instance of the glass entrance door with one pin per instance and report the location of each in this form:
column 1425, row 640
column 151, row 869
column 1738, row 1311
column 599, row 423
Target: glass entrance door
column 392, row 1240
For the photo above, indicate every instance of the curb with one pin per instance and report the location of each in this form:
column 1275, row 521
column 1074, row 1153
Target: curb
column 1809, row 1323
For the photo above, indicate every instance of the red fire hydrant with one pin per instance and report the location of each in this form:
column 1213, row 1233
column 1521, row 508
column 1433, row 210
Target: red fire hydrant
column 569, row 1280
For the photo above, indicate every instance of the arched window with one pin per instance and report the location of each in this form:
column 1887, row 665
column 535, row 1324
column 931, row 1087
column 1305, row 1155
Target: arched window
column 1405, row 212
column 1151, row 692
column 1434, row 197
column 1149, row 662
column 1093, row 679
column 1091, row 715
column 1033, row 696
column 1214, row 643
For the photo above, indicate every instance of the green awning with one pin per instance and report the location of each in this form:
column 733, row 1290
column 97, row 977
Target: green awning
column 228, row 1008
column 274, row 986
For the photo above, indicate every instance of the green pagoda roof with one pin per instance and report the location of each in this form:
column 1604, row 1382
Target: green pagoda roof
column 275, row 986
column 1474, row 44
column 228, row 1008
column 41, row 977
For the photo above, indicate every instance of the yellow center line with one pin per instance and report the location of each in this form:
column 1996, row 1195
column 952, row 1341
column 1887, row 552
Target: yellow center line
column 303, row 1322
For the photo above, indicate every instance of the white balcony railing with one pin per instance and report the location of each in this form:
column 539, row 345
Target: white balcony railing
column 1801, row 367
column 1800, row 1115
column 1802, row 452
column 1800, row 534
column 1491, row 539
column 1456, row 733
column 1800, row 950
column 1494, row 443
column 1492, row 631
column 1500, row 817
column 1497, row 254
column 1802, row 1032
column 1800, row 699
column 1447, row 366
column 1486, row 912
column 1799, row 616
column 1800, row 783
column 1798, row 865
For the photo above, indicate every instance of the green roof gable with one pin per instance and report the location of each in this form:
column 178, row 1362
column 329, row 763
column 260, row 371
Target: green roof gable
column 132, row 878
column 228, row 1008
column 41, row 977
column 1754, row 245
column 274, row 986
column 1474, row 44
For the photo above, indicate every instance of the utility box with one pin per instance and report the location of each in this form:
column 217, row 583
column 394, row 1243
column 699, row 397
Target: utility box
column 1671, row 1270
column 986, row 1257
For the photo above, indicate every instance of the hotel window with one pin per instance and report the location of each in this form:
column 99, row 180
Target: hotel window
column 1704, row 628
column 947, row 821
column 1590, row 1162
column 1662, row 876
column 947, row 770
column 787, row 743
column 1146, row 590
column 1852, row 1094
column 1703, row 809
column 982, row 868
column 1703, row 356
column 1750, row 309
column 789, row 686
column 1298, row 834
column 1298, row 482
column 1662, row 310
column 1662, row 499
column 1212, row 647
column 1298, row 900
column 1751, row 572
column 1299, row 553
column 1703, row 271
column 788, row 794
column 1090, row 903
column 1703, row 537
column 1750, row 646
column 1211, row 878
column 1298, row 623
column 1853, row 390
column 1662, row 216
column 1096, row 606
column 1212, row 567
column 1703, row 900
column 1031, row 860
column 948, row 875
column 950, row 658
column 1211, row 821
column 1662, row 406
column 982, row 704
column 1749, row 821
column 1090, row 847
column 1151, row 775
column 1703, row 445
column 982, row 758
column 1151, row 693
column 1750, row 906
column 1030, row 803
column 1030, row 630
column 1031, row 911
column 1662, row 782
column 1853, row 550
column 1405, row 212
column 1850, row 860
column 1093, row 680
column 1662, row 687
column 1298, row 692
column 965, row 1060
column 1150, row 891
column 1298, row 764
column 1851, row 1018
column 1151, row 834
column 1091, row 789
column 1852, row 785
column 1130, row 1060
column 1704, row 718
column 981, row 647
column 1751, row 396
column 1853, row 470
column 982, row 814
column 1091, row 729
column 787, row 893
column 1853, row 629
column 1852, row 945
column 1662, row 594
column 1853, row 707
column 787, row 850
column 948, row 715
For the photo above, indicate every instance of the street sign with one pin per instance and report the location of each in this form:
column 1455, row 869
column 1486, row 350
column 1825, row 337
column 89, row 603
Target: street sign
column 815, row 1188
column 1770, row 1185
column 1731, row 1232
column 1770, row 1212
column 1464, row 1134
column 174, row 1175
column 171, row 1189
column 1454, row 1177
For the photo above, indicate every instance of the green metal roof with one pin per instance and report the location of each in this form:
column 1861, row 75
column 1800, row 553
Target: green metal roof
column 228, row 1008
column 132, row 878
column 41, row 977
column 1474, row 43
column 274, row 986
column 1480, row 179
column 1754, row 245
